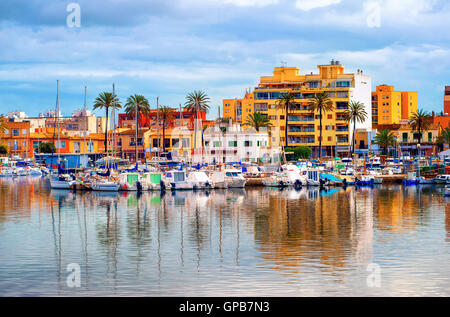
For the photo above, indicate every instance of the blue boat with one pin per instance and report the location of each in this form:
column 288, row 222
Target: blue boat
column 411, row 179
column 365, row 181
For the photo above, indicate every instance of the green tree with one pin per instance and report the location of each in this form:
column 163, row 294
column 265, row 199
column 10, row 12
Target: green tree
column 46, row 147
column 136, row 105
column 257, row 121
column 321, row 103
column 196, row 102
column 4, row 149
column 420, row 121
column 384, row 139
column 300, row 152
column 355, row 113
column 285, row 102
column 106, row 100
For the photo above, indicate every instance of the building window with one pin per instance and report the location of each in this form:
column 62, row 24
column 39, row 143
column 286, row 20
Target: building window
column 247, row 143
column 232, row 143
column 15, row 132
column 217, row 144
column 186, row 142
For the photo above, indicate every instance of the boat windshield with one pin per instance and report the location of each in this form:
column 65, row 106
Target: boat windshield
column 178, row 177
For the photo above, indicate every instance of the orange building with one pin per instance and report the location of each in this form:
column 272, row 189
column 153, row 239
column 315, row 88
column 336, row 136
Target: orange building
column 390, row 106
column 16, row 136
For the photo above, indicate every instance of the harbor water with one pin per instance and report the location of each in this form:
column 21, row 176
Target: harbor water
column 388, row 240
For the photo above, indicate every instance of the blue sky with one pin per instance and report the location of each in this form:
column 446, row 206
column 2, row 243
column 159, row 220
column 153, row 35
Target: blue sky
column 170, row 48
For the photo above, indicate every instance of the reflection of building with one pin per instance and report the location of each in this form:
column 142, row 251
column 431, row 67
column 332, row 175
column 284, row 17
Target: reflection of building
column 303, row 127
column 289, row 230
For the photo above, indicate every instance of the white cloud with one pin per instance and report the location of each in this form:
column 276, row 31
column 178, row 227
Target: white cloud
column 251, row 3
column 307, row 5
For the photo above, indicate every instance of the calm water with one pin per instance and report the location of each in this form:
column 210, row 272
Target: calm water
column 255, row 242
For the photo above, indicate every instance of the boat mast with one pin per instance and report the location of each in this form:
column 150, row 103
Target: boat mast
column 57, row 120
column 157, row 128
column 85, row 121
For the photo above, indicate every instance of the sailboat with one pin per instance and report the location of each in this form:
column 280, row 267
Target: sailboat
column 61, row 180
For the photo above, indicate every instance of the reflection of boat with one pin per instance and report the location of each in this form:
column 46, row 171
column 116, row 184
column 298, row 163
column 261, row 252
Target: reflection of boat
column 447, row 190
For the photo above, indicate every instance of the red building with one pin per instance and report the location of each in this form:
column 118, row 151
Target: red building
column 182, row 118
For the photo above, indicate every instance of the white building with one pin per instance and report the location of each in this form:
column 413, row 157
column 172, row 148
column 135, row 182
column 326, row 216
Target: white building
column 237, row 145
column 17, row 115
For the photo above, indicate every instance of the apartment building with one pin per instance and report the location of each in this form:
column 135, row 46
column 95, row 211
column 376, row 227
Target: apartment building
column 304, row 126
column 391, row 107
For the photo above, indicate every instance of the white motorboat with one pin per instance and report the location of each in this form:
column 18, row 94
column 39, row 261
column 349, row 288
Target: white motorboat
column 442, row 179
column 177, row 180
column 152, row 180
column 218, row 179
column 105, row 186
column 447, row 190
column 423, row 180
column 276, row 180
column 63, row 181
column 132, row 182
column 313, row 177
column 200, row 180
column 235, row 178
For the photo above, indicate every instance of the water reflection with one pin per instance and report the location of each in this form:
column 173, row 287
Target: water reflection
column 261, row 241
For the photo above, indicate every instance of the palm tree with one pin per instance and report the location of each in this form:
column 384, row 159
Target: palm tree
column 355, row 113
column 384, row 139
column 284, row 102
column 196, row 102
column 166, row 116
column 420, row 121
column 3, row 125
column 322, row 104
column 106, row 100
column 257, row 121
column 135, row 105
column 443, row 138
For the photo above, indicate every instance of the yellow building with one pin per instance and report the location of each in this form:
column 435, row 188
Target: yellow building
column 303, row 126
column 390, row 106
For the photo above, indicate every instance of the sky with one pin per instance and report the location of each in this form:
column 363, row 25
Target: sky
column 168, row 49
